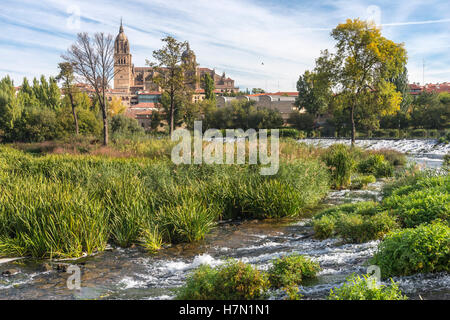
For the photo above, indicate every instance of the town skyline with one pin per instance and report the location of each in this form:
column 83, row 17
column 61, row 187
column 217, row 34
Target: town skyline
column 269, row 49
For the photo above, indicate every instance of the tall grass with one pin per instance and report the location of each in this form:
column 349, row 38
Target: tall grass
column 67, row 205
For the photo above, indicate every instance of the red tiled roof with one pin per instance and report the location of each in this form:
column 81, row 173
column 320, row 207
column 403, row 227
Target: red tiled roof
column 143, row 105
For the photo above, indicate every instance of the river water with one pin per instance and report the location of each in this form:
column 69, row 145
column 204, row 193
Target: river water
column 135, row 274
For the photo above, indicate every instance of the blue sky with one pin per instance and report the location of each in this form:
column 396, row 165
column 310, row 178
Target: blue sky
column 259, row 43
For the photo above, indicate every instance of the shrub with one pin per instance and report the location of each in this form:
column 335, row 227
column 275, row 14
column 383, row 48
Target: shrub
column 377, row 166
column 394, row 157
column 419, row 133
column 234, row 280
column 419, row 250
column 361, row 182
column 291, row 133
column 302, row 121
column 417, row 207
column 288, row 272
column 123, row 125
column 355, row 228
column 340, row 162
column 365, row 288
column 324, row 227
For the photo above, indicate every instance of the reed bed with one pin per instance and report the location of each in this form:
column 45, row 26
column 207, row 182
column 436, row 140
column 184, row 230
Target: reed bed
column 69, row 205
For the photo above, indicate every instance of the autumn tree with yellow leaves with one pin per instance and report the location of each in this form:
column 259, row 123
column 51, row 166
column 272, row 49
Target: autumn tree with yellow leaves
column 358, row 72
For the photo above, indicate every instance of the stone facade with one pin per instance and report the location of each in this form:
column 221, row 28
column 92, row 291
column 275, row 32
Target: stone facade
column 130, row 80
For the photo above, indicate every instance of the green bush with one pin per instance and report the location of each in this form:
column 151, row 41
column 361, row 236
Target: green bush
column 361, row 182
column 324, row 227
column 376, row 165
column 234, row 280
column 420, row 250
column 365, row 288
column 340, row 162
column 289, row 272
column 417, row 207
column 291, row 133
column 394, row 157
column 354, row 222
column 356, row 228
column 419, row 133
column 123, row 125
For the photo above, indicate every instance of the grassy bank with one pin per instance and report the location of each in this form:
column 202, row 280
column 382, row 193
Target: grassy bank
column 64, row 205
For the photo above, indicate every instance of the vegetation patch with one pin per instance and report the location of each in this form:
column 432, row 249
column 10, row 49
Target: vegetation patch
column 420, row 250
column 289, row 272
column 365, row 288
column 234, row 280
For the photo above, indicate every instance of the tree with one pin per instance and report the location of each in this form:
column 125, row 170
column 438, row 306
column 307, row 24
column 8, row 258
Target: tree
column 209, row 86
column 93, row 60
column 313, row 93
column 10, row 107
column 67, row 78
column 257, row 91
column 116, row 107
column 359, row 70
column 174, row 74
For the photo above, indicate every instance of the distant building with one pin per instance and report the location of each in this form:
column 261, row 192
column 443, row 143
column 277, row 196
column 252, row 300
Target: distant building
column 135, row 84
column 416, row 89
column 284, row 102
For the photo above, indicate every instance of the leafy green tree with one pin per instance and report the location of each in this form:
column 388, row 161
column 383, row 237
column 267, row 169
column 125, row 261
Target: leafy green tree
column 175, row 75
column 357, row 72
column 10, row 107
column 208, row 85
column 67, row 78
column 313, row 93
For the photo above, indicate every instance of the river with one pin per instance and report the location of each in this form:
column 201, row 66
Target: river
column 135, row 274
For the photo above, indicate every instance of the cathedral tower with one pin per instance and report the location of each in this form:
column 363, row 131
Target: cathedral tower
column 123, row 78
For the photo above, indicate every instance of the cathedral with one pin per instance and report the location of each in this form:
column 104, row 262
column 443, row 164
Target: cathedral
column 130, row 81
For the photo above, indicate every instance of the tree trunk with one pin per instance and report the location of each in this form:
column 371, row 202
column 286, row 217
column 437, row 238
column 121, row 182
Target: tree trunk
column 353, row 126
column 105, row 121
column 75, row 118
column 172, row 115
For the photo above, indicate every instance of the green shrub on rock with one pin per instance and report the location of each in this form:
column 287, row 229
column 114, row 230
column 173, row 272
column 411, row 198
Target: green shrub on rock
column 420, row 250
column 288, row 273
column 356, row 228
column 365, row 288
column 234, row 280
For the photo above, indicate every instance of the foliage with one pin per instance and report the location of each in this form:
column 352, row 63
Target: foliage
column 234, row 280
column 361, row 181
column 365, row 288
column 419, row 250
column 148, row 201
column 289, row 271
column 340, row 163
column 356, row 228
column 376, row 165
column 302, row 121
column 357, row 73
column 123, row 125
column 422, row 201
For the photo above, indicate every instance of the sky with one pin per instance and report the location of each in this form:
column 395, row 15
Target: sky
column 259, row 43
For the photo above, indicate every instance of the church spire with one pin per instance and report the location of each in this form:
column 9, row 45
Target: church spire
column 121, row 26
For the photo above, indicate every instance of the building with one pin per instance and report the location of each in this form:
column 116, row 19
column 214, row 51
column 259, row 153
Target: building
column 135, row 84
column 416, row 89
column 284, row 102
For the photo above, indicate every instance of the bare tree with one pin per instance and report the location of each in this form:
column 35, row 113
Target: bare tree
column 93, row 60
